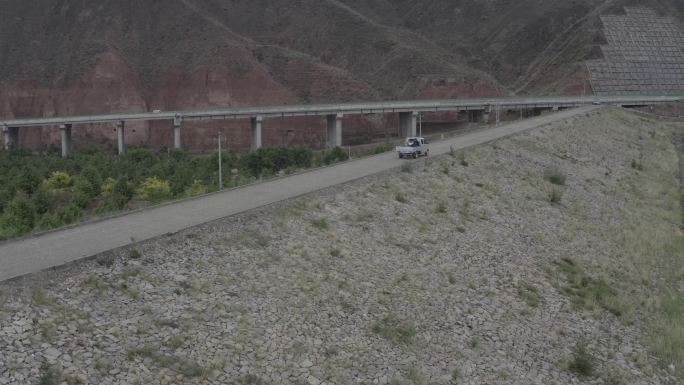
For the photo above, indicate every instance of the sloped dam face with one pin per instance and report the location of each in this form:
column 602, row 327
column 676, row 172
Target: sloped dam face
column 553, row 255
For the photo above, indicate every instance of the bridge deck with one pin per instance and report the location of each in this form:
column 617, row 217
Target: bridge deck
column 347, row 109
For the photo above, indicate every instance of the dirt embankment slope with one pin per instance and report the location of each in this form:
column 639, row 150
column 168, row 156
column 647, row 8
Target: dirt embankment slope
column 553, row 256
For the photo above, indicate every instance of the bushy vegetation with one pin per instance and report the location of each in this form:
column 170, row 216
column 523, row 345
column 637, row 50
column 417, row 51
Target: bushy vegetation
column 45, row 191
column 555, row 176
column 582, row 362
column 394, row 330
column 154, row 189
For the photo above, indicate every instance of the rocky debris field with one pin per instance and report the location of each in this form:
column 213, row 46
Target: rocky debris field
column 462, row 269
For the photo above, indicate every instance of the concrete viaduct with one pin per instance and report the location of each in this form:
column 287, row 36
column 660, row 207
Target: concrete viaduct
column 477, row 110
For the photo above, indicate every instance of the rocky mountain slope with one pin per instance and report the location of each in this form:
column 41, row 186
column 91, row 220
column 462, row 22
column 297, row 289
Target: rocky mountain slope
column 66, row 56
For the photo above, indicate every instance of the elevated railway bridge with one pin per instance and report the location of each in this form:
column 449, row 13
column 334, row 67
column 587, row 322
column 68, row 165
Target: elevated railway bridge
column 408, row 111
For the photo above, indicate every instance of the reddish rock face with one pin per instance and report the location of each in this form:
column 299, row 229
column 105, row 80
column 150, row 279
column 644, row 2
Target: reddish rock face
column 71, row 58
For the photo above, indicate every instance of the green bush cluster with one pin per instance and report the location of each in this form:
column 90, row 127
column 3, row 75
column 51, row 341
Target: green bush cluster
column 268, row 161
column 154, row 189
column 45, row 191
column 58, row 180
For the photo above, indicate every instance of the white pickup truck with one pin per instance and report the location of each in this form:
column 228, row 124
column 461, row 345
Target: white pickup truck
column 414, row 147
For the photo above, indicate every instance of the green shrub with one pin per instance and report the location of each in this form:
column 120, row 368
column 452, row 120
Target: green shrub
column 93, row 176
column 18, row 217
column 108, row 186
column 582, row 361
column 555, row 176
column 320, row 223
column 86, row 186
column 123, row 188
column 44, row 201
column 398, row 332
column 197, row 188
column 273, row 159
column 80, row 199
column 337, row 154
column 6, row 195
column 50, row 376
column 380, row 148
column 58, row 180
column 50, row 221
column 28, row 180
column 61, row 217
column 84, row 190
column 530, row 294
column 154, row 189
column 116, row 193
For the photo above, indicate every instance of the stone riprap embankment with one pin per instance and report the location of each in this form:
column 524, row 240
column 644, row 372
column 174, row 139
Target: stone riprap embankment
column 454, row 269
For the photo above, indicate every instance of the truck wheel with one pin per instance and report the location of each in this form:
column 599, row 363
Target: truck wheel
column 415, row 155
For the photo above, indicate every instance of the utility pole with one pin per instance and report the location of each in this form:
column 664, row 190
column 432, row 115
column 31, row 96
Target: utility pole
column 220, row 160
column 420, row 124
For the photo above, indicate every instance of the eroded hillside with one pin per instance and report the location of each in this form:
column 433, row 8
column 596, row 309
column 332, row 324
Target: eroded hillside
column 552, row 256
column 75, row 57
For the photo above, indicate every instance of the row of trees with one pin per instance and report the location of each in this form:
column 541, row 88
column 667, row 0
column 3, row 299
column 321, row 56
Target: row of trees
column 45, row 191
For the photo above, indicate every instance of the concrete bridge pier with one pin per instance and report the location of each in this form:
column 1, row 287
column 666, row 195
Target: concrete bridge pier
column 65, row 134
column 257, row 122
column 407, row 123
column 120, row 125
column 475, row 116
column 334, row 130
column 11, row 136
column 177, row 122
column 487, row 114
